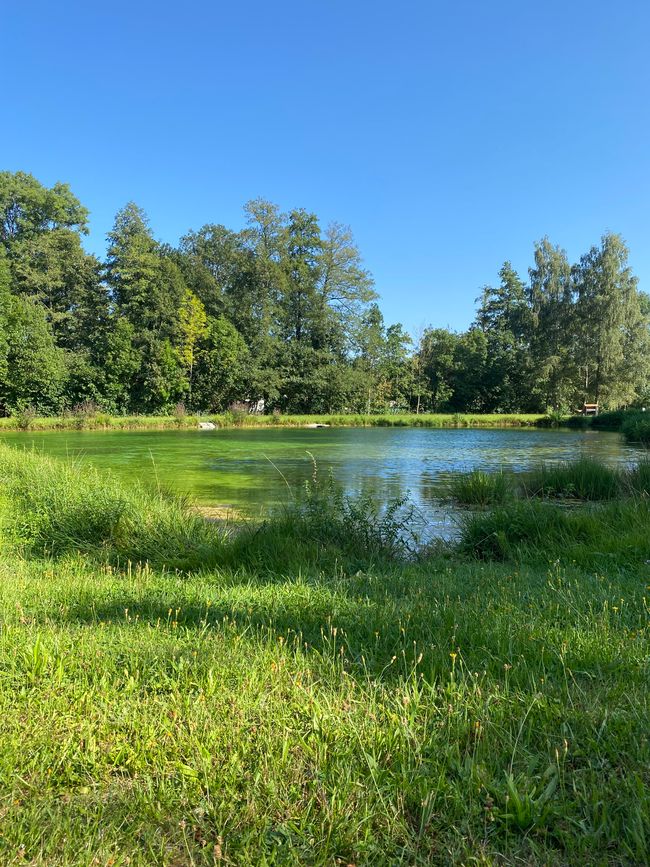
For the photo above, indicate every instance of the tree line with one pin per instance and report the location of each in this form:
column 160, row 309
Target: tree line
column 283, row 311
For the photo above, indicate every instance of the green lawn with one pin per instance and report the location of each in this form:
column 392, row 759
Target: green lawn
column 308, row 699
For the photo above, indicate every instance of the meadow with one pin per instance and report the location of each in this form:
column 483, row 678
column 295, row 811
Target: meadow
column 316, row 688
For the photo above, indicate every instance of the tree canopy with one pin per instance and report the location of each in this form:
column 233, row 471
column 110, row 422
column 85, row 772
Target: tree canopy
column 285, row 311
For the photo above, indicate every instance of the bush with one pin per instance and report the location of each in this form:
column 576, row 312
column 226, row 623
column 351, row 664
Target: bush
column 237, row 413
column 636, row 428
column 180, row 414
column 328, row 529
column 611, row 420
column 25, row 416
column 478, row 488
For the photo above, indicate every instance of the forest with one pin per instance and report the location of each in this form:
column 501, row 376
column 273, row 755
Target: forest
column 284, row 312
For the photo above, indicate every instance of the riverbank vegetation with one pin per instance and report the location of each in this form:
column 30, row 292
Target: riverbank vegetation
column 313, row 689
column 91, row 419
column 633, row 424
column 283, row 314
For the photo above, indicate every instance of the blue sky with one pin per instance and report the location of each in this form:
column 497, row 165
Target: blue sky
column 450, row 136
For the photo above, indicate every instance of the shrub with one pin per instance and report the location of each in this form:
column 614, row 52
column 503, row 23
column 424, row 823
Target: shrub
column 238, row 413
column 180, row 411
column 326, row 528
column 636, row 428
column 25, row 416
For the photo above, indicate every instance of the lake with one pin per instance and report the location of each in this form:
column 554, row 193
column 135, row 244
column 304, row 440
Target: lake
column 250, row 470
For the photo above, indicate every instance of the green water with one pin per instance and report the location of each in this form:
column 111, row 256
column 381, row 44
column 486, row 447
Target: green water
column 253, row 469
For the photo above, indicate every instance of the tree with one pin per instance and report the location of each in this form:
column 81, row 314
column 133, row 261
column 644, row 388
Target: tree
column 345, row 285
column 36, row 368
column 503, row 316
column 5, row 303
column 27, row 208
column 438, row 360
column 612, row 329
column 553, row 334
column 222, row 361
column 470, row 362
column 146, row 285
column 192, row 327
column 396, row 369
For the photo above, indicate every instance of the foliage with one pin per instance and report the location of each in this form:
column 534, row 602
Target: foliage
column 285, row 311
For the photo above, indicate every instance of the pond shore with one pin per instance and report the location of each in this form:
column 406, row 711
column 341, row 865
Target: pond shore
column 103, row 421
column 304, row 686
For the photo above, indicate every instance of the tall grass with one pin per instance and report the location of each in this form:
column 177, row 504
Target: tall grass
column 637, row 479
column 612, row 535
column 479, row 488
column 583, row 479
column 54, row 507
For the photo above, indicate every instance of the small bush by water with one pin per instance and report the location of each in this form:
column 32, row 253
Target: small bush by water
column 608, row 535
column 636, row 428
column 323, row 524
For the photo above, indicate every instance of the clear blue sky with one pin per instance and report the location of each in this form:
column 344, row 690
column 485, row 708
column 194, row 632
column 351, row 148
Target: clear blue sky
column 449, row 135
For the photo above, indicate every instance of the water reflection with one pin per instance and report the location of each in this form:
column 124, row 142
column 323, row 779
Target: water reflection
column 254, row 469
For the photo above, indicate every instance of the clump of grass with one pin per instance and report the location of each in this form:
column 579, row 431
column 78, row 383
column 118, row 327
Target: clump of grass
column 637, row 479
column 326, row 527
column 478, row 488
column 584, row 479
column 615, row 534
column 53, row 507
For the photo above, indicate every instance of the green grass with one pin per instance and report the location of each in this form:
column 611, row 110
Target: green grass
column 103, row 421
column 583, row 479
column 53, row 507
column 478, row 488
column 611, row 536
column 303, row 697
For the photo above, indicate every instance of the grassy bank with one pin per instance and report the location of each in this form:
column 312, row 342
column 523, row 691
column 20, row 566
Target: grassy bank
column 103, row 421
column 634, row 424
column 305, row 693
